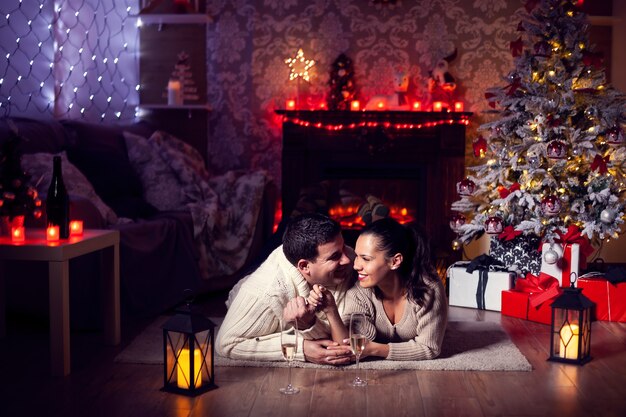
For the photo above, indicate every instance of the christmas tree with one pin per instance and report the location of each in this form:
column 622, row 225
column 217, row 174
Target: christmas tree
column 342, row 86
column 554, row 157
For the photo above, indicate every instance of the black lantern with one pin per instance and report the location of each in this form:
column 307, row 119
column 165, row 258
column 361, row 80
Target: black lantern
column 571, row 327
column 188, row 366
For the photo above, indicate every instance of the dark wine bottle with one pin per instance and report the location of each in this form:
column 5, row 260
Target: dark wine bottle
column 58, row 201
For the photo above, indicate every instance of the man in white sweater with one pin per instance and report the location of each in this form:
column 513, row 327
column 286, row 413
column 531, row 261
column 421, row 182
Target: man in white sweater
column 313, row 252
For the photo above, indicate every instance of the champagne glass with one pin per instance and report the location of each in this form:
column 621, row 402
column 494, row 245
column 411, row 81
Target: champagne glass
column 289, row 347
column 357, row 344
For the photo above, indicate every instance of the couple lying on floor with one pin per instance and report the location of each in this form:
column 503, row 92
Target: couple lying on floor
column 314, row 279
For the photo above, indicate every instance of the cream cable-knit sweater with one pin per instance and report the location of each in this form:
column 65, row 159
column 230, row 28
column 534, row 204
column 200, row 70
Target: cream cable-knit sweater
column 251, row 328
column 419, row 333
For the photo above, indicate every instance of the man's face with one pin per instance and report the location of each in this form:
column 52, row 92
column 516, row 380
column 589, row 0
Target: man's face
column 329, row 268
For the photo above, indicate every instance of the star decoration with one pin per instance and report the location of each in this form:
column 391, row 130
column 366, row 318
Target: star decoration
column 299, row 66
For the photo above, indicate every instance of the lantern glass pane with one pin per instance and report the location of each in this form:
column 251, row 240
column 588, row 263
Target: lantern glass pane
column 204, row 342
column 175, row 344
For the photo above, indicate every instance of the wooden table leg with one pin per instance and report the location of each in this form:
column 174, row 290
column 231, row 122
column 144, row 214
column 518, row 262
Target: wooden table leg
column 3, row 306
column 59, row 289
column 111, row 294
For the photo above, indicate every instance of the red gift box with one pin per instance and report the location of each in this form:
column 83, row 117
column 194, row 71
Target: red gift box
column 531, row 298
column 610, row 298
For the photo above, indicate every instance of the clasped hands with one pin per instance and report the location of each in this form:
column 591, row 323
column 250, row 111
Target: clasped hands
column 302, row 311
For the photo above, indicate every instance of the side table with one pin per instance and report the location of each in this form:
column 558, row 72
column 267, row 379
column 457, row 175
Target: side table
column 58, row 255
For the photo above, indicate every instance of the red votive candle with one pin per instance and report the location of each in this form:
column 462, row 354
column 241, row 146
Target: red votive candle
column 52, row 233
column 290, row 104
column 18, row 234
column 438, row 106
column 355, row 105
column 76, row 228
column 458, row 106
column 417, row 105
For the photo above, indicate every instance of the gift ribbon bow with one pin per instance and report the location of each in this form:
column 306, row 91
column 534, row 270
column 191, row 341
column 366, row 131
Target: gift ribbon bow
column 509, row 233
column 505, row 192
column 540, row 289
column 573, row 236
column 483, row 264
column 599, row 163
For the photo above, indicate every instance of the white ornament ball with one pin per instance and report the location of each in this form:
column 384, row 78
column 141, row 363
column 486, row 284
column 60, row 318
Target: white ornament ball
column 607, row 216
column 551, row 257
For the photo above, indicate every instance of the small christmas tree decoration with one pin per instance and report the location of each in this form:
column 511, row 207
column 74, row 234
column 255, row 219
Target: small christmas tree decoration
column 550, row 256
column 465, row 187
column 456, row 221
column 480, row 147
column 550, row 206
column 556, row 149
column 494, row 225
column 607, row 216
column 342, row 94
column 615, row 136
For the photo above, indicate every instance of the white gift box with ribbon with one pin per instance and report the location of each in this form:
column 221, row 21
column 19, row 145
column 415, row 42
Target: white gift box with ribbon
column 480, row 289
column 568, row 261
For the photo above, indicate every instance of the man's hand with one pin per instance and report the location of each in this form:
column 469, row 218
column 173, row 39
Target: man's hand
column 326, row 352
column 299, row 310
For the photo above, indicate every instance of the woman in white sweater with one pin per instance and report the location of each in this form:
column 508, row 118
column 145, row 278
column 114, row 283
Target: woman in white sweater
column 399, row 292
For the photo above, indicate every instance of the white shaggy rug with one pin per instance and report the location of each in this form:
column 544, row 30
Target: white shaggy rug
column 468, row 345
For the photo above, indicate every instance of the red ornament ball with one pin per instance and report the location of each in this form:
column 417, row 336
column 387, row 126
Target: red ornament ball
column 615, row 136
column 551, row 206
column 456, row 221
column 556, row 149
column 480, row 147
column 494, row 225
column 465, row 187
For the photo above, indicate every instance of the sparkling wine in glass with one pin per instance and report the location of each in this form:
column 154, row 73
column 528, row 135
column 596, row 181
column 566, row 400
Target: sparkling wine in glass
column 357, row 344
column 289, row 347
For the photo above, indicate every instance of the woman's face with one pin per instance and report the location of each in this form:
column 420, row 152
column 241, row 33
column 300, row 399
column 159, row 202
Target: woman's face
column 370, row 263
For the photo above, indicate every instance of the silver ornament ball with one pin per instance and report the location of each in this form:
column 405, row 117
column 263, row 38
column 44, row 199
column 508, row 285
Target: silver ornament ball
column 607, row 216
column 551, row 257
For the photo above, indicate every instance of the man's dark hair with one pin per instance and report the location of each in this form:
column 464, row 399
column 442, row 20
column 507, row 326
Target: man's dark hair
column 305, row 233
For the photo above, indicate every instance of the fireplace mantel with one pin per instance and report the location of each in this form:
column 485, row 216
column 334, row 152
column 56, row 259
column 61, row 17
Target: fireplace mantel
column 421, row 148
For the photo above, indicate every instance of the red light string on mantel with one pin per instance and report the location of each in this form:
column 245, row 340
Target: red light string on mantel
column 387, row 125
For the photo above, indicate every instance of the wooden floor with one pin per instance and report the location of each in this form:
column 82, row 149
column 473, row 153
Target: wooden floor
column 99, row 387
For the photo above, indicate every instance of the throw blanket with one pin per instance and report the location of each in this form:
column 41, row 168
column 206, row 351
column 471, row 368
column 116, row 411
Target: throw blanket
column 224, row 208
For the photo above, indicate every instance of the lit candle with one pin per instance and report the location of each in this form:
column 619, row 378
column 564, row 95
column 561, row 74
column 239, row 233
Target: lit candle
column 52, row 233
column 380, row 105
column 18, row 234
column 183, row 379
column 76, row 228
column 174, row 93
column 458, row 106
column 417, row 105
column 322, row 105
column 355, row 105
column 290, row 104
column 568, row 348
column 437, row 106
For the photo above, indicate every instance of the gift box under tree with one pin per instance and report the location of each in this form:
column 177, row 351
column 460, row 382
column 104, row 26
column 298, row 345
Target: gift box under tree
column 516, row 251
column 608, row 292
column 478, row 284
column 531, row 298
column 566, row 256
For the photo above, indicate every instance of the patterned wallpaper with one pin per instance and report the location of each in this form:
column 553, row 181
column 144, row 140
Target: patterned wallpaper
column 250, row 40
column 53, row 70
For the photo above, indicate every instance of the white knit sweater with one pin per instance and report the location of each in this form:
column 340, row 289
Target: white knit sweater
column 419, row 333
column 251, row 328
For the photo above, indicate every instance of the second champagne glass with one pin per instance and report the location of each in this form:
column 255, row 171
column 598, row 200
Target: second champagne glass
column 357, row 344
column 289, row 346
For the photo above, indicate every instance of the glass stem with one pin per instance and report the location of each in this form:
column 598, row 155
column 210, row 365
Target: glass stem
column 289, row 375
column 358, row 370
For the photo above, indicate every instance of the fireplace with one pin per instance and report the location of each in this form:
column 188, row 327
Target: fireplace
column 410, row 161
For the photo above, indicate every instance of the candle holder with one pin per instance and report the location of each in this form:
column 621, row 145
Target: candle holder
column 571, row 326
column 438, row 106
column 52, row 234
column 290, row 104
column 188, row 346
column 417, row 106
column 18, row 234
column 458, row 106
column 355, row 105
column 76, row 228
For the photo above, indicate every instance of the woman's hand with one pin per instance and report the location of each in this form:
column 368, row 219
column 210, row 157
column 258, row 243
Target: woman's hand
column 373, row 349
column 322, row 299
